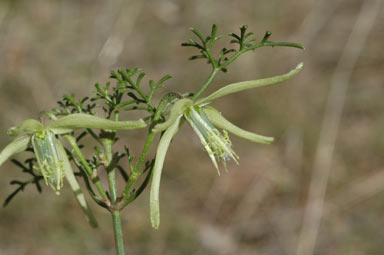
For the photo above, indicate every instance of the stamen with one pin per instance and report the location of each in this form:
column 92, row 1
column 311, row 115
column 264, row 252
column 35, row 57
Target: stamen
column 216, row 144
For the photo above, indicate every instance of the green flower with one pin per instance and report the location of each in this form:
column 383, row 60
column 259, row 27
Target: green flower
column 52, row 159
column 205, row 121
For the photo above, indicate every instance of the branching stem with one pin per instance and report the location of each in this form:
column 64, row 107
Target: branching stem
column 88, row 170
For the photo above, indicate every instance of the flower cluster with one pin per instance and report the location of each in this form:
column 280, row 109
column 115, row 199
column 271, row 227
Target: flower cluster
column 53, row 163
column 205, row 121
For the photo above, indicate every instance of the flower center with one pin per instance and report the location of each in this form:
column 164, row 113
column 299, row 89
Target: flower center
column 215, row 143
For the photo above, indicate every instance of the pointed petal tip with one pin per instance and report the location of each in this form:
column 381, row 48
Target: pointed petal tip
column 300, row 65
column 28, row 126
column 12, row 131
column 155, row 225
column 155, row 214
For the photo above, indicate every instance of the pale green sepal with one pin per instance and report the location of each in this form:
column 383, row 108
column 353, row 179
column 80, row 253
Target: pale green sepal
column 219, row 121
column 240, row 86
column 177, row 110
column 30, row 126
column 18, row 145
column 68, row 173
column 82, row 120
column 162, row 148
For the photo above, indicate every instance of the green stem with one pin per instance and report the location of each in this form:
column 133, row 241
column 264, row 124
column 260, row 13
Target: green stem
column 206, row 84
column 259, row 45
column 117, row 227
column 118, row 232
column 127, row 198
column 88, row 170
column 107, row 143
column 112, row 186
column 141, row 93
column 136, row 171
column 212, row 59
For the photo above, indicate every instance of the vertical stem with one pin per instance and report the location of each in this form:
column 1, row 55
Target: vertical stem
column 107, row 143
column 112, row 186
column 118, row 232
column 116, row 220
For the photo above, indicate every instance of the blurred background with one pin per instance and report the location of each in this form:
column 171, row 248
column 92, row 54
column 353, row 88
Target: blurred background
column 316, row 190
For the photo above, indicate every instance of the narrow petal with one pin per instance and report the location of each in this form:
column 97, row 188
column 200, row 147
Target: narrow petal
column 157, row 169
column 30, row 126
column 81, row 120
column 177, row 110
column 219, row 121
column 217, row 145
column 203, row 141
column 240, row 86
column 18, row 145
column 68, row 172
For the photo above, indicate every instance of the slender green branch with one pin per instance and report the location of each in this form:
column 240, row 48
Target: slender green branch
column 211, row 59
column 145, row 151
column 141, row 93
column 259, row 45
column 116, row 220
column 136, row 171
column 117, row 107
column 107, row 143
column 206, row 84
column 88, row 170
